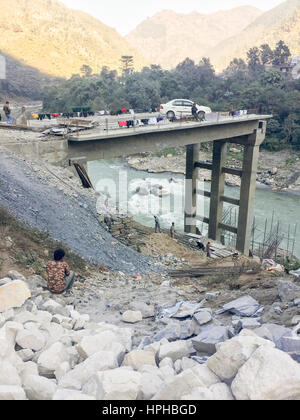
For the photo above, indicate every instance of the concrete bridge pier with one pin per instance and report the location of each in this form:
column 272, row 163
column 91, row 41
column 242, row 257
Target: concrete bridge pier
column 245, row 203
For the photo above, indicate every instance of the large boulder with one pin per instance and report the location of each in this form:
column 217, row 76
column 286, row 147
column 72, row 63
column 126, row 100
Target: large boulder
column 209, row 336
column 274, row 332
column 117, row 384
column 288, row 291
column 243, row 306
column 221, row 392
column 138, row 358
column 175, row 350
column 269, row 374
column 180, row 385
column 232, row 354
column 152, row 381
column 100, row 361
column 13, row 295
column 39, row 388
column 50, row 359
column 105, row 341
column 203, row 316
column 12, row 393
column 31, row 339
column 9, row 374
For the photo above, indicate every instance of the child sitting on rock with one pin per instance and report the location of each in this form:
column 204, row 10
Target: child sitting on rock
column 60, row 278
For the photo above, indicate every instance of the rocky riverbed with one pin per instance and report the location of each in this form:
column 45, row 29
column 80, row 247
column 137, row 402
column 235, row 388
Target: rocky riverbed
column 279, row 171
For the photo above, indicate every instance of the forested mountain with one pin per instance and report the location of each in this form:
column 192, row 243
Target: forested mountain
column 168, row 38
column 280, row 23
column 57, row 41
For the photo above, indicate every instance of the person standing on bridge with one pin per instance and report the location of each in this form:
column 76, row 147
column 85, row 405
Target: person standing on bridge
column 7, row 112
column 157, row 224
column 195, row 112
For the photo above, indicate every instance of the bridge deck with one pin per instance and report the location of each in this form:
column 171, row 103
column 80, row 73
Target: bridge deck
column 98, row 134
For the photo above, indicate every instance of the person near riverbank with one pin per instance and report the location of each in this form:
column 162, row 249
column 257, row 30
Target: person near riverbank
column 172, row 230
column 207, row 249
column 7, row 112
column 157, row 224
column 60, row 277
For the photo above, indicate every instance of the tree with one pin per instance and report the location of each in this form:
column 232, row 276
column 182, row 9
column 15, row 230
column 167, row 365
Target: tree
column 127, row 65
column 253, row 59
column 86, row 71
column 266, row 54
column 281, row 53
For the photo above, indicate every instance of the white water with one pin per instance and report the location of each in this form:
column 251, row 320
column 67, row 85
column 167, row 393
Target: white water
column 120, row 182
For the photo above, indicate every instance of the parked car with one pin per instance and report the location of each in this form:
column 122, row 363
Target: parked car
column 182, row 108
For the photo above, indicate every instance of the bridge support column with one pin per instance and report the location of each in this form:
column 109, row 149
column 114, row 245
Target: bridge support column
column 248, row 186
column 192, row 156
column 217, row 190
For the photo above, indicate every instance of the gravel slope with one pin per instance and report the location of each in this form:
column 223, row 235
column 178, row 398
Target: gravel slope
column 41, row 201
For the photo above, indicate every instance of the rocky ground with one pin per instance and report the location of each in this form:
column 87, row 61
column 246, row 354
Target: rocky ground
column 145, row 342
column 279, row 171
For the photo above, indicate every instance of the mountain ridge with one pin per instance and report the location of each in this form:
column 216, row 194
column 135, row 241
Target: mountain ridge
column 157, row 37
column 57, row 41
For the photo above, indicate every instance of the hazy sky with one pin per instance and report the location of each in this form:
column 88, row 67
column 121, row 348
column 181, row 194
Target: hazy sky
column 125, row 15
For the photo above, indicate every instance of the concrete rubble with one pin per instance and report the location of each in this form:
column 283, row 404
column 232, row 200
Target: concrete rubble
column 49, row 350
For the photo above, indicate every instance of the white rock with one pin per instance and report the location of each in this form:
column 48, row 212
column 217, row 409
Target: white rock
column 207, row 377
column 221, row 392
column 178, row 366
column 232, row 354
column 100, row 361
column 15, row 275
column 39, row 388
column 167, row 361
column 269, row 374
column 132, row 317
column 151, row 382
column 70, row 395
column 199, row 394
column 117, row 384
column 188, row 363
column 13, row 295
column 167, row 373
column 9, row 374
column 4, row 281
column 81, row 322
column 175, row 350
column 138, row 358
column 105, row 341
column 180, row 385
column 31, row 339
column 29, row 368
column 25, row 354
column 51, row 359
column 62, row 370
column 12, row 393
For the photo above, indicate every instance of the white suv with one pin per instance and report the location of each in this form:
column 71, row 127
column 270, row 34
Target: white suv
column 182, row 108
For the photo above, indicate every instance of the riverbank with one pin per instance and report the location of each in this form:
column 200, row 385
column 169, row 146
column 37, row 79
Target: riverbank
column 277, row 171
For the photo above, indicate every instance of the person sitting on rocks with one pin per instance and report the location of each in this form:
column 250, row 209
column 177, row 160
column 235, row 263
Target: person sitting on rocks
column 60, row 278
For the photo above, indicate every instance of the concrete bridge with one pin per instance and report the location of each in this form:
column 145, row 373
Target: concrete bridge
column 248, row 131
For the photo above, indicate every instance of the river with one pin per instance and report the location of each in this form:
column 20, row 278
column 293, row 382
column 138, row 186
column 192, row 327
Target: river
column 120, row 182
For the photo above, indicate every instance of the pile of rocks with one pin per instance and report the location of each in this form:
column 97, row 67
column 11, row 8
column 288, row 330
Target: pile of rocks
column 49, row 351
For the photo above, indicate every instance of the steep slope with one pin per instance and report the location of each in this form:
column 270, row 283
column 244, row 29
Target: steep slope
column 280, row 23
column 168, row 38
column 47, row 35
